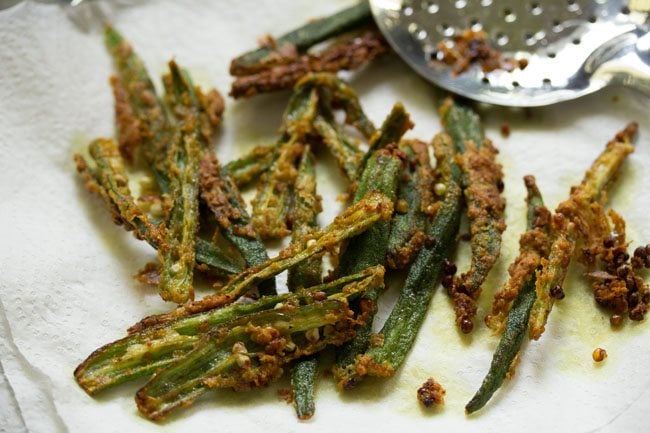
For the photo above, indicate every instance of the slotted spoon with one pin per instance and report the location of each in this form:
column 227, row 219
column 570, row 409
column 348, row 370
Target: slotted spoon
column 573, row 47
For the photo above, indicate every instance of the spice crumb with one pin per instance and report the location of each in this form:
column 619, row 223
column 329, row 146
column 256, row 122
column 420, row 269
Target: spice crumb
column 599, row 355
column 616, row 320
column 469, row 47
column 431, row 393
column 505, row 130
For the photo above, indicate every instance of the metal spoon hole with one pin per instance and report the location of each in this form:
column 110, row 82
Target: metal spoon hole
column 535, row 8
column 433, row 8
column 460, row 4
column 509, row 16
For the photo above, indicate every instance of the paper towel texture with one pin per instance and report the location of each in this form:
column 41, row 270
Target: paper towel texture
column 65, row 269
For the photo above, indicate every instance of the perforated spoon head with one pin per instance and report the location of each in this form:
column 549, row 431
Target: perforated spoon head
column 573, row 47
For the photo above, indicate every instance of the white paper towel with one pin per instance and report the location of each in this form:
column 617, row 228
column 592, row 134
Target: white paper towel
column 65, row 285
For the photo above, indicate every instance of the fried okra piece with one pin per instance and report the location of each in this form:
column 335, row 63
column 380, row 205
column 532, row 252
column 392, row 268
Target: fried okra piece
column 574, row 219
column 516, row 298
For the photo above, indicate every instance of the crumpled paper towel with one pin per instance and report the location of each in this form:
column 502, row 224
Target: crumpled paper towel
column 65, row 270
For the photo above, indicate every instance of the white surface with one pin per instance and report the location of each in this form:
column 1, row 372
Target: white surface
column 65, row 285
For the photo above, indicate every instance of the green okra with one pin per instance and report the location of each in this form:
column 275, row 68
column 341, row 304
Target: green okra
column 482, row 184
column 250, row 166
column 394, row 127
column 336, row 93
column 403, row 323
column 246, row 352
column 142, row 353
column 508, row 347
column 591, row 190
column 142, row 118
column 347, row 156
column 516, row 324
column 306, row 207
column 221, row 196
column 303, row 382
column 110, row 180
column 416, row 193
column 309, row 273
column 304, row 37
column 462, row 124
column 184, row 158
column 369, row 249
column 217, row 261
column 272, row 203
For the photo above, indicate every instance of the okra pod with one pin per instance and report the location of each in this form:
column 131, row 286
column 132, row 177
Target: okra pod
column 110, row 181
column 414, row 205
column 518, row 315
column 482, row 184
column 221, row 196
column 250, row 166
column 573, row 220
column 508, row 348
column 142, row 119
column 534, row 244
column 303, row 382
column 184, row 158
column 394, row 127
column 142, row 353
column 404, row 321
column 246, row 353
column 347, row 156
column 302, row 38
column 369, row 249
column 272, row 203
column 334, row 92
column 306, row 208
column 343, row 55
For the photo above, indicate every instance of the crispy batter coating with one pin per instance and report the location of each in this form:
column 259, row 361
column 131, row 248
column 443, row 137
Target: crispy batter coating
column 354, row 220
column 109, row 180
column 582, row 217
column 533, row 245
column 469, row 47
column 347, row 55
column 403, row 255
column 271, row 206
column 413, row 237
column 212, row 107
column 485, row 210
column 215, row 196
column 552, row 273
column 280, row 54
column 127, row 122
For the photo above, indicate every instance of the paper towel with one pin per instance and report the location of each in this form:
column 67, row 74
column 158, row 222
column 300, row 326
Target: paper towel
column 65, row 269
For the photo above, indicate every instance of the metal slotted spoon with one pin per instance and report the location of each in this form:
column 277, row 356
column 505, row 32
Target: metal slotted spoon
column 573, row 47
